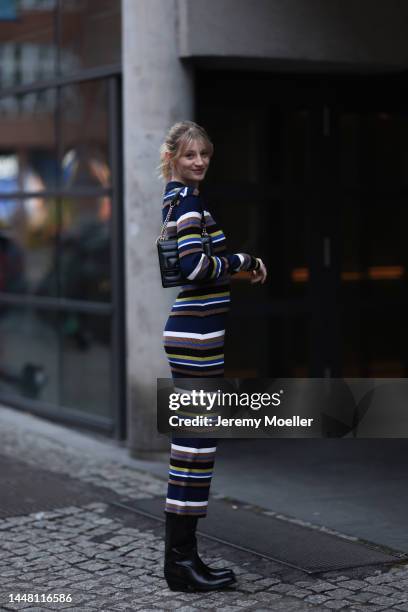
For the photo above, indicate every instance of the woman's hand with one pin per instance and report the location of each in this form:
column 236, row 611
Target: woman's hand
column 260, row 274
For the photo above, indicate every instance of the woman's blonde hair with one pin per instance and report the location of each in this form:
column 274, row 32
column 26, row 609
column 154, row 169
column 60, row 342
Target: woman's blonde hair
column 179, row 135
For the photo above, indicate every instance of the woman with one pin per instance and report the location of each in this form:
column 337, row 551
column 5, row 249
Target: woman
column 194, row 343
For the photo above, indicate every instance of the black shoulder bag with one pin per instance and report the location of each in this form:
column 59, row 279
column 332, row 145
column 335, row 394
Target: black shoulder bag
column 169, row 262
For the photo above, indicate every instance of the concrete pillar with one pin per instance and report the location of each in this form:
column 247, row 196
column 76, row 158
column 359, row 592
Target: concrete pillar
column 157, row 91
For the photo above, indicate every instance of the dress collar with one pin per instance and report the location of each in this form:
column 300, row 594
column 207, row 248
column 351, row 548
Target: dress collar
column 173, row 185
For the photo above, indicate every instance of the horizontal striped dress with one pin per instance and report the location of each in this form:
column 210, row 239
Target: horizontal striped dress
column 194, row 336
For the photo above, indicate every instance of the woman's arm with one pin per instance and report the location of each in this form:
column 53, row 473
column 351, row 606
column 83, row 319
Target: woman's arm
column 194, row 263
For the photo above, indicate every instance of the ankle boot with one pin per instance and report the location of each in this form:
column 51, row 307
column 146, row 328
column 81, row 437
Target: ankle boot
column 222, row 572
column 183, row 568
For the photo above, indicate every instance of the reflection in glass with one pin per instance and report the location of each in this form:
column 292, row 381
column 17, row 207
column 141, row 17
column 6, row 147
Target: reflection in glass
column 85, row 249
column 27, row 144
column 90, row 34
column 84, row 132
column 56, row 247
column 27, row 245
column 28, row 354
column 85, row 362
column 27, row 42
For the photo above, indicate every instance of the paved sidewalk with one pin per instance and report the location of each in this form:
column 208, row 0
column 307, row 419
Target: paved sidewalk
column 98, row 556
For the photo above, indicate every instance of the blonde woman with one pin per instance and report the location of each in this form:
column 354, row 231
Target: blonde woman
column 194, row 344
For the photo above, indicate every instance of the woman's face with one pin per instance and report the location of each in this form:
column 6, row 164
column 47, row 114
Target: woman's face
column 191, row 166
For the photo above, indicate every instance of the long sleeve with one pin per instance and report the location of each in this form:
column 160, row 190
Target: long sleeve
column 195, row 264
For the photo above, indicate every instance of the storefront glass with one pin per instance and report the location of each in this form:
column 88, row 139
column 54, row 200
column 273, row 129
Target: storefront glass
column 59, row 203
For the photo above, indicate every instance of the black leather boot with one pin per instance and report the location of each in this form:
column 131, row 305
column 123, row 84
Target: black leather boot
column 218, row 572
column 183, row 568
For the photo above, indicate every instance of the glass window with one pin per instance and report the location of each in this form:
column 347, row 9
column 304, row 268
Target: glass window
column 90, row 37
column 28, row 353
column 27, row 245
column 29, row 357
column 90, row 34
column 85, row 362
column 27, row 42
column 55, row 201
column 28, row 160
column 84, row 133
column 84, row 261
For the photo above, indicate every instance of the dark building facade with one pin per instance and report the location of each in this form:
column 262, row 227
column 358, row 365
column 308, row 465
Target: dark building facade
column 317, row 166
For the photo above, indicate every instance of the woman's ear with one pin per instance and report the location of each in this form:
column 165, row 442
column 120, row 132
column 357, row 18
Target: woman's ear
column 169, row 160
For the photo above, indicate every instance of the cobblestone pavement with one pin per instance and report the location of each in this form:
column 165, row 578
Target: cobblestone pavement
column 103, row 557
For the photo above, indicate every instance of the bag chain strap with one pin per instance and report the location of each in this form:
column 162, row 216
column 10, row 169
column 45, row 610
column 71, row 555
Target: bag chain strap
column 174, row 202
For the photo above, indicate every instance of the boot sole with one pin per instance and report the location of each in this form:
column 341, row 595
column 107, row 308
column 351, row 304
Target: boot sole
column 176, row 585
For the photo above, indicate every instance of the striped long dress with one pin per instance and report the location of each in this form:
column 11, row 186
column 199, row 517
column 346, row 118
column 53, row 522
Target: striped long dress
column 194, row 336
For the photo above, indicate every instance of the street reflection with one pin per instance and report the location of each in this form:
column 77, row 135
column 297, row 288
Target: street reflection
column 57, row 246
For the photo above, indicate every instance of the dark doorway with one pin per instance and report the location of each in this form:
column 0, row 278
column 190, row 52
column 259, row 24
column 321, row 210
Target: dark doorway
column 311, row 174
